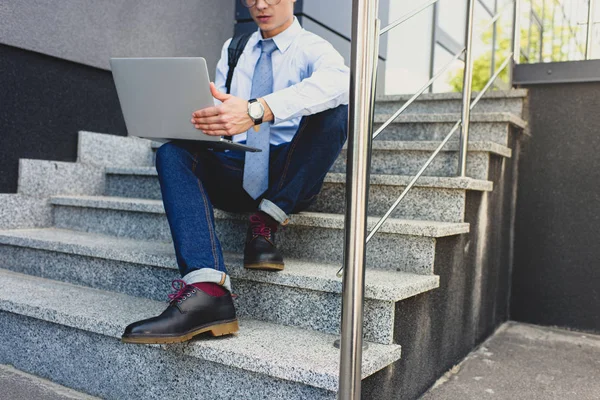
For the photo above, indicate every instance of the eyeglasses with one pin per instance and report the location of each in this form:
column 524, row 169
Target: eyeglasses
column 252, row 3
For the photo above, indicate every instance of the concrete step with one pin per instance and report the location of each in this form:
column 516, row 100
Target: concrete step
column 433, row 199
column 70, row 333
column 403, row 245
column 506, row 101
column 484, row 127
column 408, row 157
column 304, row 294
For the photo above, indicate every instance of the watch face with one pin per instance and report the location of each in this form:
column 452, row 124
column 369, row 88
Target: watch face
column 256, row 110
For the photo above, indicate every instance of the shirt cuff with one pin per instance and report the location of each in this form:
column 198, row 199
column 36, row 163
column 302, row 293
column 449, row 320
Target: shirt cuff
column 279, row 108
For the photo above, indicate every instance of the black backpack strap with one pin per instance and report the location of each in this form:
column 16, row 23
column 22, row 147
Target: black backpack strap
column 234, row 51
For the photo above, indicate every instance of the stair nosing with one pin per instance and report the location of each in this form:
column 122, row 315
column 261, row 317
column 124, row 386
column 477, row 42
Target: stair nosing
column 501, row 117
column 431, row 97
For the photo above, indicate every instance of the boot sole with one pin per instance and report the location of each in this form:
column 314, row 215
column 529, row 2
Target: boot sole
column 216, row 330
column 265, row 266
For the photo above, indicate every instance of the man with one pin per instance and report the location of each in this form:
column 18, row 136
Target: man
column 289, row 97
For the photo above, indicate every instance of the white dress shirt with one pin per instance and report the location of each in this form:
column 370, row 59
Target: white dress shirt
column 309, row 76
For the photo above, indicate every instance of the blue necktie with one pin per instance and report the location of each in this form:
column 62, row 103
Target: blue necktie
column 256, row 167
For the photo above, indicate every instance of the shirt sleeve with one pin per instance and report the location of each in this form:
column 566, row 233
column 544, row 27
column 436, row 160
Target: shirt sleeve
column 222, row 70
column 326, row 87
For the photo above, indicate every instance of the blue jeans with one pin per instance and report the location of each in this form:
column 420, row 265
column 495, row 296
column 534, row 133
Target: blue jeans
column 193, row 179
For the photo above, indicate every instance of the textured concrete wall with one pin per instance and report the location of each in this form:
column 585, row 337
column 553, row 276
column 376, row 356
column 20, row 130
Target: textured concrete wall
column 92, row 31
column 556, row 278
column 44, row 102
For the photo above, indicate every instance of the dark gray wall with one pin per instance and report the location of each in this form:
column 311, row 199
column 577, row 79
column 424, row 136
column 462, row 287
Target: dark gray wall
column 44, row 102
column 556, row 278
column 54, row 65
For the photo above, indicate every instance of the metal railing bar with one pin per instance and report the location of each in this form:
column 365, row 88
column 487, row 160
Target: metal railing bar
column 412, row 182
column 406, row 17
column 466, row 93
column 491, row 80
column 414, row 97
column 364, row 48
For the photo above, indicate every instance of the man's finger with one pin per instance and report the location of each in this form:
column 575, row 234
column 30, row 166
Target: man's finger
column 210, row 127
column 206, row 112
column 207, row 120
column 218, row 95
column 216, row 133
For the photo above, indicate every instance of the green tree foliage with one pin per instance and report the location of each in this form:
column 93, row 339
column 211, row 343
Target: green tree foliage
column 558, row 51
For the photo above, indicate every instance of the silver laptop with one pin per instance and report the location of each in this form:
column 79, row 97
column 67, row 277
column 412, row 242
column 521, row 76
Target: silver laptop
column 159, row 94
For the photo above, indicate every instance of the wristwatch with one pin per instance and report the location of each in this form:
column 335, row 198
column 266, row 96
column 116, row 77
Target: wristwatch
column 256, row 111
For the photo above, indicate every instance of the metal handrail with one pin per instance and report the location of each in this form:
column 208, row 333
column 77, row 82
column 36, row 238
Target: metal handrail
column 439, row 148
column 467, row 107
column 364, row 59
column 365, row 27
column 417, row 94
column 467, row 88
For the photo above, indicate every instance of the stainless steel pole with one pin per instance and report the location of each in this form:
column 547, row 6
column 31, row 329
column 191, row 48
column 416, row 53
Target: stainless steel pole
column 590, row 30
column 364, row 35
column 516, row 39
column 467, row 85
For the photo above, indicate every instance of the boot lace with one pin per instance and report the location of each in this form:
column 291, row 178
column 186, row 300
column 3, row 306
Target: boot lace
column 184, row 291
column 259, row 228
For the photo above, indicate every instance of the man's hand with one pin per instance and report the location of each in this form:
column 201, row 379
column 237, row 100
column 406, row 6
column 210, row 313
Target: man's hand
column 228, row 119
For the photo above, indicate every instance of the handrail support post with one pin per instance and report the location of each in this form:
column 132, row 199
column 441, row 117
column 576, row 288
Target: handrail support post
column 365, row 36
column 467, row 89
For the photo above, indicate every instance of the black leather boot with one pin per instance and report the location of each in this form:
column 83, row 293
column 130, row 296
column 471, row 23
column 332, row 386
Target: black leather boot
column 190, row 312
column 260, row 251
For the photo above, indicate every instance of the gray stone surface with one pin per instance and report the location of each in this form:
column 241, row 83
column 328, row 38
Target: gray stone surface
column 423, row 127
column 379, row 284
column 105, row 367
column 404, row 245
column 453, row 117
column 20, row 211
column 18, row 385
column 433, row 198
column 500, row 101
column 42, row 179
column 107, row 313
column 106, row 150
column 524, row 362
column 304, row 294
column 408, row 157
column 495, row 94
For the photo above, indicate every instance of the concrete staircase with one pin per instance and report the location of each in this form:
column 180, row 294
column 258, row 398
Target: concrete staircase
column 85, row 249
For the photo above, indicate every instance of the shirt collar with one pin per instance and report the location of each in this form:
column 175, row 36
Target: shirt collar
column 284, row 39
